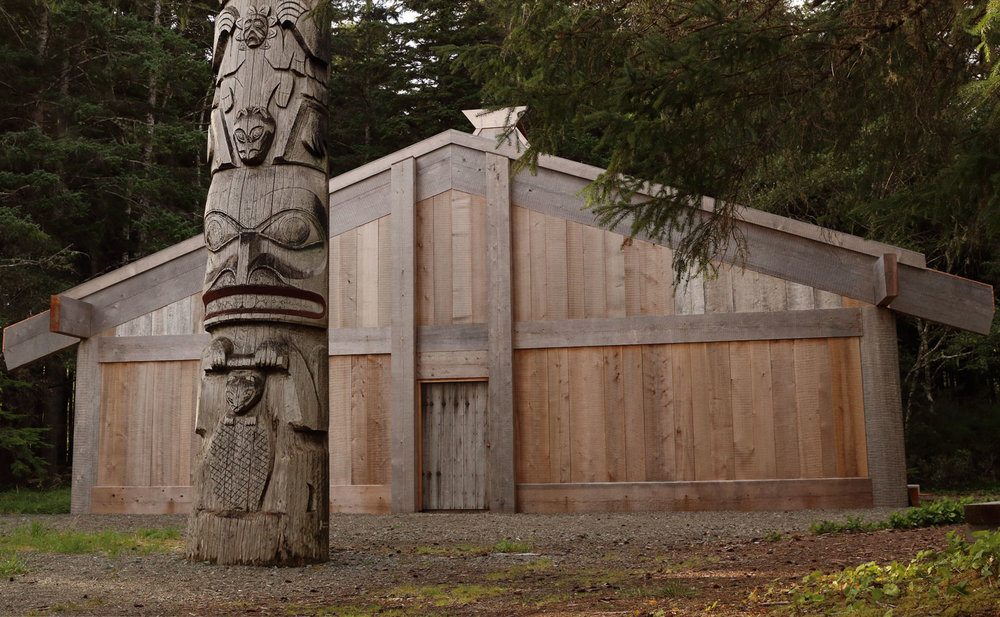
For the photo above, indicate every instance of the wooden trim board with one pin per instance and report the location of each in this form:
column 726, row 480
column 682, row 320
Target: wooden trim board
column 69, row 316
column 746, row 495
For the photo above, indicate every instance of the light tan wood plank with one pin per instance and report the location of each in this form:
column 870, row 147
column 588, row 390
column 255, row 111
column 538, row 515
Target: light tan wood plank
column 786, row 414
column 442, row 239
column 659, row 412
column 614, row 275
column 340, row 420
column 633, row 273
column 808, row 373
column 635, row 441
column 537, row 259
column 375, row 499
column 595, row 302
column 614, row 414
column 424, row 239
column 744, row 427
column 480, row 280
column 719, row 290
column 141, row 499
column 533, row 442
column 521, row 263
column 348, row 292
column 763, row 409
column 721, row 406
column 684, row 413
column 556, row 270
column 368, row 275
column 576, row 291
column 586, row 407
column 701, row 370
column 461, row 257
column 560, row 427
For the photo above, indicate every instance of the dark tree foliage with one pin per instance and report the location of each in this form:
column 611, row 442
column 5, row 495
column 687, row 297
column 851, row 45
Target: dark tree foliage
column 101, row 142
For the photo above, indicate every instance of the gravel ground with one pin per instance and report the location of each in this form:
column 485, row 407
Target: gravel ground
column 368, row 552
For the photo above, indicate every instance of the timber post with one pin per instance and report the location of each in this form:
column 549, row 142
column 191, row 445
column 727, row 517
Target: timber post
column 261, row 476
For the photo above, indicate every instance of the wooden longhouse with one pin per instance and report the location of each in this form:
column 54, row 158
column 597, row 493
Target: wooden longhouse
column 491, row 348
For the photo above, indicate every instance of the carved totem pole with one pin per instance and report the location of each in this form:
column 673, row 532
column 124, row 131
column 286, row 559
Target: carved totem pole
column 261, row 478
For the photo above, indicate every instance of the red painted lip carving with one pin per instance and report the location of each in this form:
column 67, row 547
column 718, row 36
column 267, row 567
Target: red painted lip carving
column 261, row 293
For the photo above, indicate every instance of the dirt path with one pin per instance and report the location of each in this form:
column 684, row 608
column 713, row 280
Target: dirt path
column 653, row 564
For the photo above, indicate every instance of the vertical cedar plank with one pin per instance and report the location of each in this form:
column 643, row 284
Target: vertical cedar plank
column 786, row 418
column 340, row 420
column 746, row 291
column 855, row 416
column 586, row 407
column 773, row 295
column 800, row 297
column 404, row 418
column 377, row 419
column 883, row 407
column 701, row 370
column 595, row 299
column 684, row 413
column 575, row 287
column 807, row 396
column 537, row 258
column 336, row 302
column 839, row 406
column 659, row 412
column 719, row 290
column 349, row 278
column 635, row 431
column 424, row 239
column 763, row 409
column 480, row 282
column 521, row 262
column 461, row 257
column 384, row 272
column 110, row 461
column 556, row 300
column 689, row 298
column 138, row 438
column 532, row 422
column 359, row 425
column 721, row 404
column 430, row 423
column 368, row 271
column 633, row 272
column 614, row 274
column 560, row 450
column 744, row 426
column 443, row 280
column 614, row 414
column 500, row 330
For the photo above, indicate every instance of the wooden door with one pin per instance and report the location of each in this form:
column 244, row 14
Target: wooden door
column 453, row 459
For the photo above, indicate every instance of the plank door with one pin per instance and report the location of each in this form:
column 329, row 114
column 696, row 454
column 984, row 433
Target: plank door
column 453, row 453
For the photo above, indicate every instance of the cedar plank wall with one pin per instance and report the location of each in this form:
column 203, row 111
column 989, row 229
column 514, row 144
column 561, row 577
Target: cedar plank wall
column 146, row 433
column 683, row 412
column 689, row 412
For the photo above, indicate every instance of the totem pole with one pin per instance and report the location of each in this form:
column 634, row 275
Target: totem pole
column 261, row 477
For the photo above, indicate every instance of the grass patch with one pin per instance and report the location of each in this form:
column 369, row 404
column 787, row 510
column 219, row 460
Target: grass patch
column 959, row 578
column 12, row 564
column 511, row 546
column 44, row 539
column 449, row 595
column 35, row 501
column 929, row 514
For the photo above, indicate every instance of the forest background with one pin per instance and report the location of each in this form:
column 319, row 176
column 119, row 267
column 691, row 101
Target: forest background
column 879, row 118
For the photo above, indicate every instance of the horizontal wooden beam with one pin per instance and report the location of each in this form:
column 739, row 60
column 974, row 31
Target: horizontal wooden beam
column 359, row 204
column 436, row 365
column 713, row 327
column 164, row 348
column 746, row 495
column 140, row 500
column 359, row 341
column 31, row 339
column 361, row 499
column 945, row 299
column 70, row 317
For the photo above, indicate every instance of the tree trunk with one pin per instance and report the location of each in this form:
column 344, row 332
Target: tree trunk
column 261, row 493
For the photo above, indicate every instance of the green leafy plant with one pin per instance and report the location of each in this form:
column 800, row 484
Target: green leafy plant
column 929, row 514
column 12, row 564
column 35, row 501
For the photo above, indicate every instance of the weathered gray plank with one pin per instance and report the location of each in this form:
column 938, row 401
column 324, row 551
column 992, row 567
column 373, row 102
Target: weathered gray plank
column 404, row 418
column 713, row 327
column 357, row 341
column 86, row 426
column 945, row 299
column 31, row 339
column 886, row 273
column 454, row 337
column 359, row 204
column 502, row 493
column 163, row 348
column 883, row 408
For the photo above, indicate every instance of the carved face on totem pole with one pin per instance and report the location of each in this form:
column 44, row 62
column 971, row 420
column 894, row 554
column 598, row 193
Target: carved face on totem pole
column 268, row 264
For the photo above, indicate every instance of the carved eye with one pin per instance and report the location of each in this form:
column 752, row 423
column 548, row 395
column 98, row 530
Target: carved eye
column 220, row 230
column 256, row 133
column 240, row 136
column 293, row 229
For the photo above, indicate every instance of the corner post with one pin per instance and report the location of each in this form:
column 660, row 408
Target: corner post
column 500, row 432
column 883, row 407
column 404, row 422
